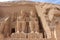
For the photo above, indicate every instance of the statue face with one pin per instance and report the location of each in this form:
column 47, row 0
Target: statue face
column 32, row 14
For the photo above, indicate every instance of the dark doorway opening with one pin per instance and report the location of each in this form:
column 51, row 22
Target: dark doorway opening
column 13, row 30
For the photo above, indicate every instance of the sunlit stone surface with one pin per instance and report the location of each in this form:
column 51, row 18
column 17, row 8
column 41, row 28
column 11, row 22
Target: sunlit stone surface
column 29, row 21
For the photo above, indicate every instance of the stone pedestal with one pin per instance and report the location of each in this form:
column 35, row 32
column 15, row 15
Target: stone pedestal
column 18, row 35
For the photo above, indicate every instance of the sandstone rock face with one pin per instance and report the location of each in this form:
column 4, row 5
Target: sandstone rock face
column 29, row 21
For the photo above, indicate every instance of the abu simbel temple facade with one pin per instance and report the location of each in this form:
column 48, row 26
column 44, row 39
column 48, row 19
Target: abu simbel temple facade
column 26, row 20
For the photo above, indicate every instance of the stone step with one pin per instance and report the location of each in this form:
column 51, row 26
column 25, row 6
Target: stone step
column 31, row 36
column 26, row 39
column 23, row 39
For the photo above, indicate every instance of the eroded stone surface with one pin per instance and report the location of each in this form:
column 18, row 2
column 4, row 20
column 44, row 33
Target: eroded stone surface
column 25, row 23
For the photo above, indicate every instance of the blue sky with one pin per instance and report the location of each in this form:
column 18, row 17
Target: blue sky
column 49, row 1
